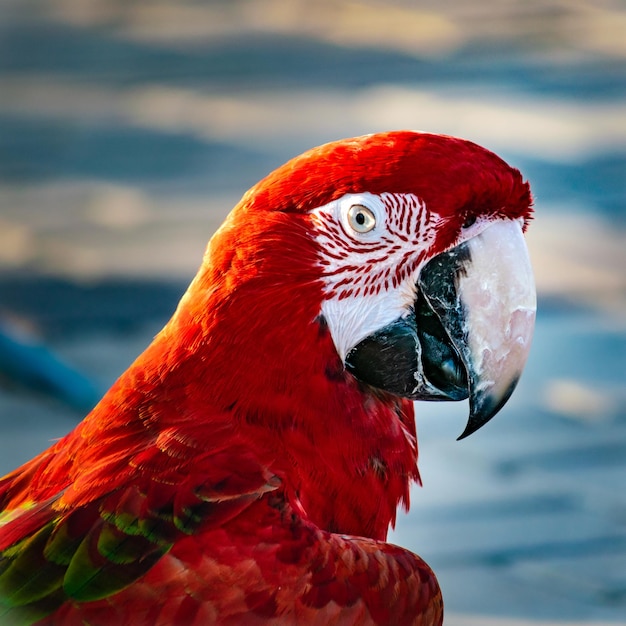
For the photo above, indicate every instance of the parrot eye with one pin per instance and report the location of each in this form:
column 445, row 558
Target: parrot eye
column 470, row 220
column 361, row 219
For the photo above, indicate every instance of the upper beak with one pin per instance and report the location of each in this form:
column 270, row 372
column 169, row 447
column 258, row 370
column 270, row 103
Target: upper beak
column 469, row 333
column 483, row 292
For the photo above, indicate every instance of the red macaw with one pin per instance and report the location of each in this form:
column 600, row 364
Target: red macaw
column 246, row 468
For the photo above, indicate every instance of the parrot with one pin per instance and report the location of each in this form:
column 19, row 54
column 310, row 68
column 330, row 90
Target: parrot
column 247, row 467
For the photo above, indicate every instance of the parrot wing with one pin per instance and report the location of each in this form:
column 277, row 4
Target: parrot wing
column 198, row 552
column 87, row 542
column 270, row 565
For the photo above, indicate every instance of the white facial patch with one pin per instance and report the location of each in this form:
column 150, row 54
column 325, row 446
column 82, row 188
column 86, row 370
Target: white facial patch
column 370, row 276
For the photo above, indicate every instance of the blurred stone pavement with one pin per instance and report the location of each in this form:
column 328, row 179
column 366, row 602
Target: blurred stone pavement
column 128, row 130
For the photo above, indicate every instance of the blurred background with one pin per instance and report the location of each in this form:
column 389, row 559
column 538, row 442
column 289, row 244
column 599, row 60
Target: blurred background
column 129, row 129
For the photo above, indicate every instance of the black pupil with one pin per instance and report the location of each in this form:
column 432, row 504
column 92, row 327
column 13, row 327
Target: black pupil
column 360, row 219
column 470, row 220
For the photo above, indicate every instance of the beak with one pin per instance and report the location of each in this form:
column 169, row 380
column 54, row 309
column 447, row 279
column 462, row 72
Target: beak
column 469, row 332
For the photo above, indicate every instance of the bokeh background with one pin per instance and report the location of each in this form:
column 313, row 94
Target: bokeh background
column 129, row 129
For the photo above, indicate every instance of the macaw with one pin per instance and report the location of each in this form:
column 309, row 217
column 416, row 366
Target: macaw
column 246, row 468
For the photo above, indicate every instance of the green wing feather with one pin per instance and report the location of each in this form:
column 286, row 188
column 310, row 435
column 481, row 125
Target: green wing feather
column 98, row 548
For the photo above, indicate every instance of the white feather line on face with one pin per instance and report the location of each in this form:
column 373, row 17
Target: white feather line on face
column 370, row 277
column 354, row 318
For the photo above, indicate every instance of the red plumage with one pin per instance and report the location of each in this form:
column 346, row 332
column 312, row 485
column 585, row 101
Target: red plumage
column 237, row 473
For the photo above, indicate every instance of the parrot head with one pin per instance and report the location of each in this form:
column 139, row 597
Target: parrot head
column 406, row 247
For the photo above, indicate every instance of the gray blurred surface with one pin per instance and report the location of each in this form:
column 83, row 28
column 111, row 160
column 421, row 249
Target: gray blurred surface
column 128, row 130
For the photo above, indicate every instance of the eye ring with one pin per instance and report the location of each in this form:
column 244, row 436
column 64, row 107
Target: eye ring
column 361, row 219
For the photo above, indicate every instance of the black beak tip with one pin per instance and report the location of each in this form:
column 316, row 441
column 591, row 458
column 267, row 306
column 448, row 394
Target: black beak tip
column 474, row 423
column 483, row 406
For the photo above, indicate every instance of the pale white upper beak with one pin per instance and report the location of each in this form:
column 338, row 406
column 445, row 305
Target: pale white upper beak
column 500, row 303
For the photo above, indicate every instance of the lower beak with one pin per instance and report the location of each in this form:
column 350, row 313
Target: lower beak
column 469, row 333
